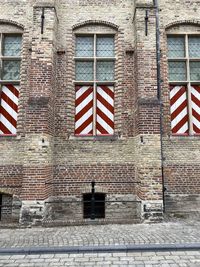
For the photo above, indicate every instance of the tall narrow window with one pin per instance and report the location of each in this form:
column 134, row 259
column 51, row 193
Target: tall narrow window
column 10, row 59
column 184, row 78
column 94, row 67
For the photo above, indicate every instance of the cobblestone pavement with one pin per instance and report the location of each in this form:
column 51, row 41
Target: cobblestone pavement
column 144, row 259
column 165, row 233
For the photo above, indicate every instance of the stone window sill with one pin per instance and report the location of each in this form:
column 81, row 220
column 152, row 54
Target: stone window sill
column 94, row 138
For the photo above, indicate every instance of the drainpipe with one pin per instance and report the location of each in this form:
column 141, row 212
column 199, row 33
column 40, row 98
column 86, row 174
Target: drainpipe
column 158, row 56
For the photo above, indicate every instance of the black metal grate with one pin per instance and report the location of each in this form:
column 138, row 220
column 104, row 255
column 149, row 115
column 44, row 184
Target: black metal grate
column 99, row 205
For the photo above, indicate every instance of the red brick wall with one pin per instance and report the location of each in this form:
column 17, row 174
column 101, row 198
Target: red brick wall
column 112, row 176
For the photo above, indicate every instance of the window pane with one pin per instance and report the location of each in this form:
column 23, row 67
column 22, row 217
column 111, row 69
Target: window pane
column 84, row 47
column 84, row 71
column 177, row 71
column 11, row 70
column 176, row 47
column 195, row 71
column 194, row 46
column 12, row 46
column 105, row 71
column 105, row 46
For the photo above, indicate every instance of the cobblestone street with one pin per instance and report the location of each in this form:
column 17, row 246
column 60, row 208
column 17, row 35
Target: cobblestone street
column 165, row 233
column 96, row 236
column 145, row 259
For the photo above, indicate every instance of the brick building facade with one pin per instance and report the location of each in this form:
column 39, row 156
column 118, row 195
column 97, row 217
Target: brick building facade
column 84, row 97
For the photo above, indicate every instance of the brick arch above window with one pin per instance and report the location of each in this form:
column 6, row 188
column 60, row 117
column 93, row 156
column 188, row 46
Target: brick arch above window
column 11, row 25
column 95, row 22
column 182, row 24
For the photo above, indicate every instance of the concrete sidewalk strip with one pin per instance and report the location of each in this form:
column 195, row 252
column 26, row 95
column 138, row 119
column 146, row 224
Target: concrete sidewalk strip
column 101, row 249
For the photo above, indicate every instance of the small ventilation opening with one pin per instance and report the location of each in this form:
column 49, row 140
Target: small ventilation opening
column 99, row 205
column 5, row 206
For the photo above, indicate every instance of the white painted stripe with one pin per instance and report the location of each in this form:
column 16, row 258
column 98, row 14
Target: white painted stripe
column 10, row 95
column 9, row 109
column 7, row 124
column 105, row 96
column 105, row 125
column 195, row 93
column 195, row 107
column 174, row 91
column 84, row 103
column 84, row 118
column 87, row 129
column 81, row 91
column 196, row 122
column 179, row 117
column 105, row 110
column 178, row 103
column 183, row 129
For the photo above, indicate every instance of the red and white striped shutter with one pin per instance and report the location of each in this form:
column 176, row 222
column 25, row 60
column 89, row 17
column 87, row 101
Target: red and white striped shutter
column 195, row 96
column 179, row 110
column 9, row 109
column 84, row 110
column 105, row 110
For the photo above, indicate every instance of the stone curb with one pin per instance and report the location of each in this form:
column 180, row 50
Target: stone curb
column 101, row 248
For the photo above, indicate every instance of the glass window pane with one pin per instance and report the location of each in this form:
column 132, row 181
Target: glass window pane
column 177, row 71
column 195, row 71
column 12, row 46
column 176, row 47
column 105, row 47
column 84, row 47
column 11, row 70
column 194, row 46
column 105, row 71
column 84, row 71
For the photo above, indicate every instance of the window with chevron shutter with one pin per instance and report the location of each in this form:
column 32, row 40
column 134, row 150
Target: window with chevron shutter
column 10, row 60
column 184, row 79
column 94, row 89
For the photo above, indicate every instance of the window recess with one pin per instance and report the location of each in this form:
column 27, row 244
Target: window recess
column 94, row 85
column 184, row 79
column 10, row 61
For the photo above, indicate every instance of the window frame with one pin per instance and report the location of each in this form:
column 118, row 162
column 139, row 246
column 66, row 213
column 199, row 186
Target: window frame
column 7, row 58
column 188, row 82
column 95, row 83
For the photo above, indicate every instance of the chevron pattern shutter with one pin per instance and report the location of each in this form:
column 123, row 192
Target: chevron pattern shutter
column 105, row 110
column 179, row 110
column 195, row 96
column 84, row 110
column 9, row 109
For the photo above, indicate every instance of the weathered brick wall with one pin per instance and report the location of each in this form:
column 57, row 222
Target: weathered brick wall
column 45, row 155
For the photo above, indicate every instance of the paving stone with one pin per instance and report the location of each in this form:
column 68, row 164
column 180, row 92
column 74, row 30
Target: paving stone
column 103, row 234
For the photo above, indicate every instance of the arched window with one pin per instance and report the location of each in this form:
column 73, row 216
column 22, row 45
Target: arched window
column 184, row 78
column 94, row 80
column 10, row 60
